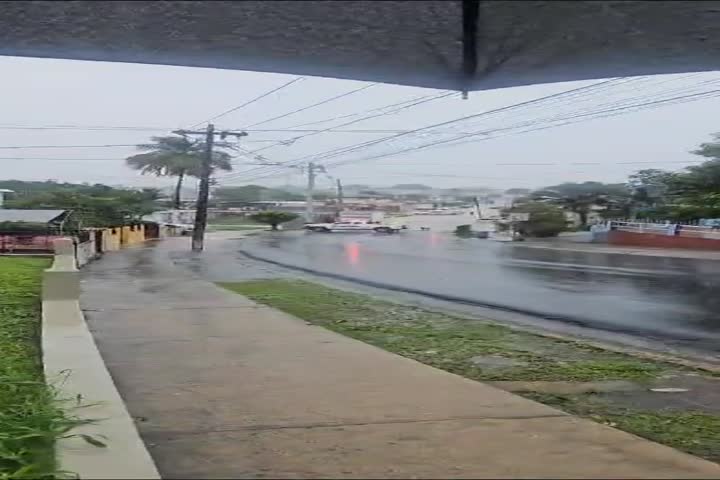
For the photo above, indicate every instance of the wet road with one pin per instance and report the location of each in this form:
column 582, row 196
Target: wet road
column 663, row 298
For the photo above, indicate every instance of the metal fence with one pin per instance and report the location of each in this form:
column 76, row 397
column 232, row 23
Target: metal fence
column 26, row 243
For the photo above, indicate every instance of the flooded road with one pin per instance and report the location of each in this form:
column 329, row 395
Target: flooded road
column 662, row 298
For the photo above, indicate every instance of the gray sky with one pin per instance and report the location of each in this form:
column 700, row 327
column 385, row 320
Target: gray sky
column 42, row 92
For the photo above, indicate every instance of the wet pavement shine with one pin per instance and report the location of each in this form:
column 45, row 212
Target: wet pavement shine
column 672, row 300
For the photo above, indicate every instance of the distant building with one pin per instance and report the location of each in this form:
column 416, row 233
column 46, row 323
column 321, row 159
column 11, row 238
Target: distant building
column 3, row 191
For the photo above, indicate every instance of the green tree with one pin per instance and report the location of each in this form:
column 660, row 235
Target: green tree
column 177, row 156
column 580, row 198
column 273, row 218
column 711, row 149
column 97, row 206
column 545, row 220
column 650, row 187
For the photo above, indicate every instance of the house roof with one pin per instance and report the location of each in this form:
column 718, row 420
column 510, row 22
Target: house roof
column 468, row 44
column 30, row 216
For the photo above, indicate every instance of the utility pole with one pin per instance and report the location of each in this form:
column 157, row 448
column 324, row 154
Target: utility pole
column 309, row 192
column 339, row 197
column 201, row 208
column 198, row 236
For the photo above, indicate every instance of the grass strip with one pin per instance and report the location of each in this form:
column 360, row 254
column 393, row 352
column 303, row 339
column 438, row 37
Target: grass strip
column 30, row 418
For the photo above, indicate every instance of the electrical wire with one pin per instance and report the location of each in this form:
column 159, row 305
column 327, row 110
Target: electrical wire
column 303, row 109
column 343, row 150
column 607, row 112
column 234, row 109
column 363, row 112
column 68, row 146
column 710, row 94
column 390, row 112
column 594, row 112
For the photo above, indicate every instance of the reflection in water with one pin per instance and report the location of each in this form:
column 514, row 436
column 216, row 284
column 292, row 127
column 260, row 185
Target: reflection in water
column 674, row 280
column 352, row 253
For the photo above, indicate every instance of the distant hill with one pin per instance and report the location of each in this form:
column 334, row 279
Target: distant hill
column 253, row 193
column 411, row 186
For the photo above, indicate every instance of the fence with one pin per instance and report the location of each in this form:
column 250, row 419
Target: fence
column 664, row 235
column 26, row 243
column 679, row 230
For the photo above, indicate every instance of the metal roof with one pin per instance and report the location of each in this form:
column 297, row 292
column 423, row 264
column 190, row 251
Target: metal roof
column 30, row 216
column 467, row 44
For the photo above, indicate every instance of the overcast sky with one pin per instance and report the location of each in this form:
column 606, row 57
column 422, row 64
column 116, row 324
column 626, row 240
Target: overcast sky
column 44, row 92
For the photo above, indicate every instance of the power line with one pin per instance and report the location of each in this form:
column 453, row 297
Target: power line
column 234, row 109
column 343, row 150
column 68, row 146
column 83, row 127
column 535, row 121
column 615, row 111
column 545, row 164
column 363, row 112
column 259, row 130
column 713, row 92
column 323, row 102
column 334, row 128
column 64, row 159
column 592, row 116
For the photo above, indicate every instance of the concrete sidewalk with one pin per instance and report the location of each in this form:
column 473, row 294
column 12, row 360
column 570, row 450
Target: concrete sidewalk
column 223, row 388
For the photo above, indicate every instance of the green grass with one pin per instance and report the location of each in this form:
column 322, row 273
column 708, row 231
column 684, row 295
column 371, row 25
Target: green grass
column 30, row 419
column 449, row 342
column 697, row 433
column 445, row 341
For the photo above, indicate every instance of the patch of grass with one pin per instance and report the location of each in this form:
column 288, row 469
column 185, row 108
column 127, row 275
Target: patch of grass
column 454, row 344
column 30, row 419
column 697, row 433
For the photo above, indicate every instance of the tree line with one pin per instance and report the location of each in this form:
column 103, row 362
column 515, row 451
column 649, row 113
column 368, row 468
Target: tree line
column 688, row 195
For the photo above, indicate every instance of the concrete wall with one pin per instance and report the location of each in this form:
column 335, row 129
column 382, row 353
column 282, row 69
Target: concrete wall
column 618, row 237
column 111, row 239
column 132, row 235
column 86, row 252
column 75, row 368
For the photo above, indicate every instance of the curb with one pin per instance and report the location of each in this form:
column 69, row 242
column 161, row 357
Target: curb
column 74, row 368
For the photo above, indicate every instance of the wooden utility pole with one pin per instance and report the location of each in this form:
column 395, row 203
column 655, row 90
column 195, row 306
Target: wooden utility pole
column 339, row 197
column 198, row 237
column 201, row 208
column 309, row 214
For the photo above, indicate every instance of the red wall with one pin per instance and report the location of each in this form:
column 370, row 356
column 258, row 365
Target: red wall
column 617, row 237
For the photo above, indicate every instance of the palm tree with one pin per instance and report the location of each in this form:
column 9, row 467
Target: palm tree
column 176, row 156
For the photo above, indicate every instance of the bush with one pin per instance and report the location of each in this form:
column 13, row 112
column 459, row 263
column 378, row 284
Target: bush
column 273, row 218
column 545, row 220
